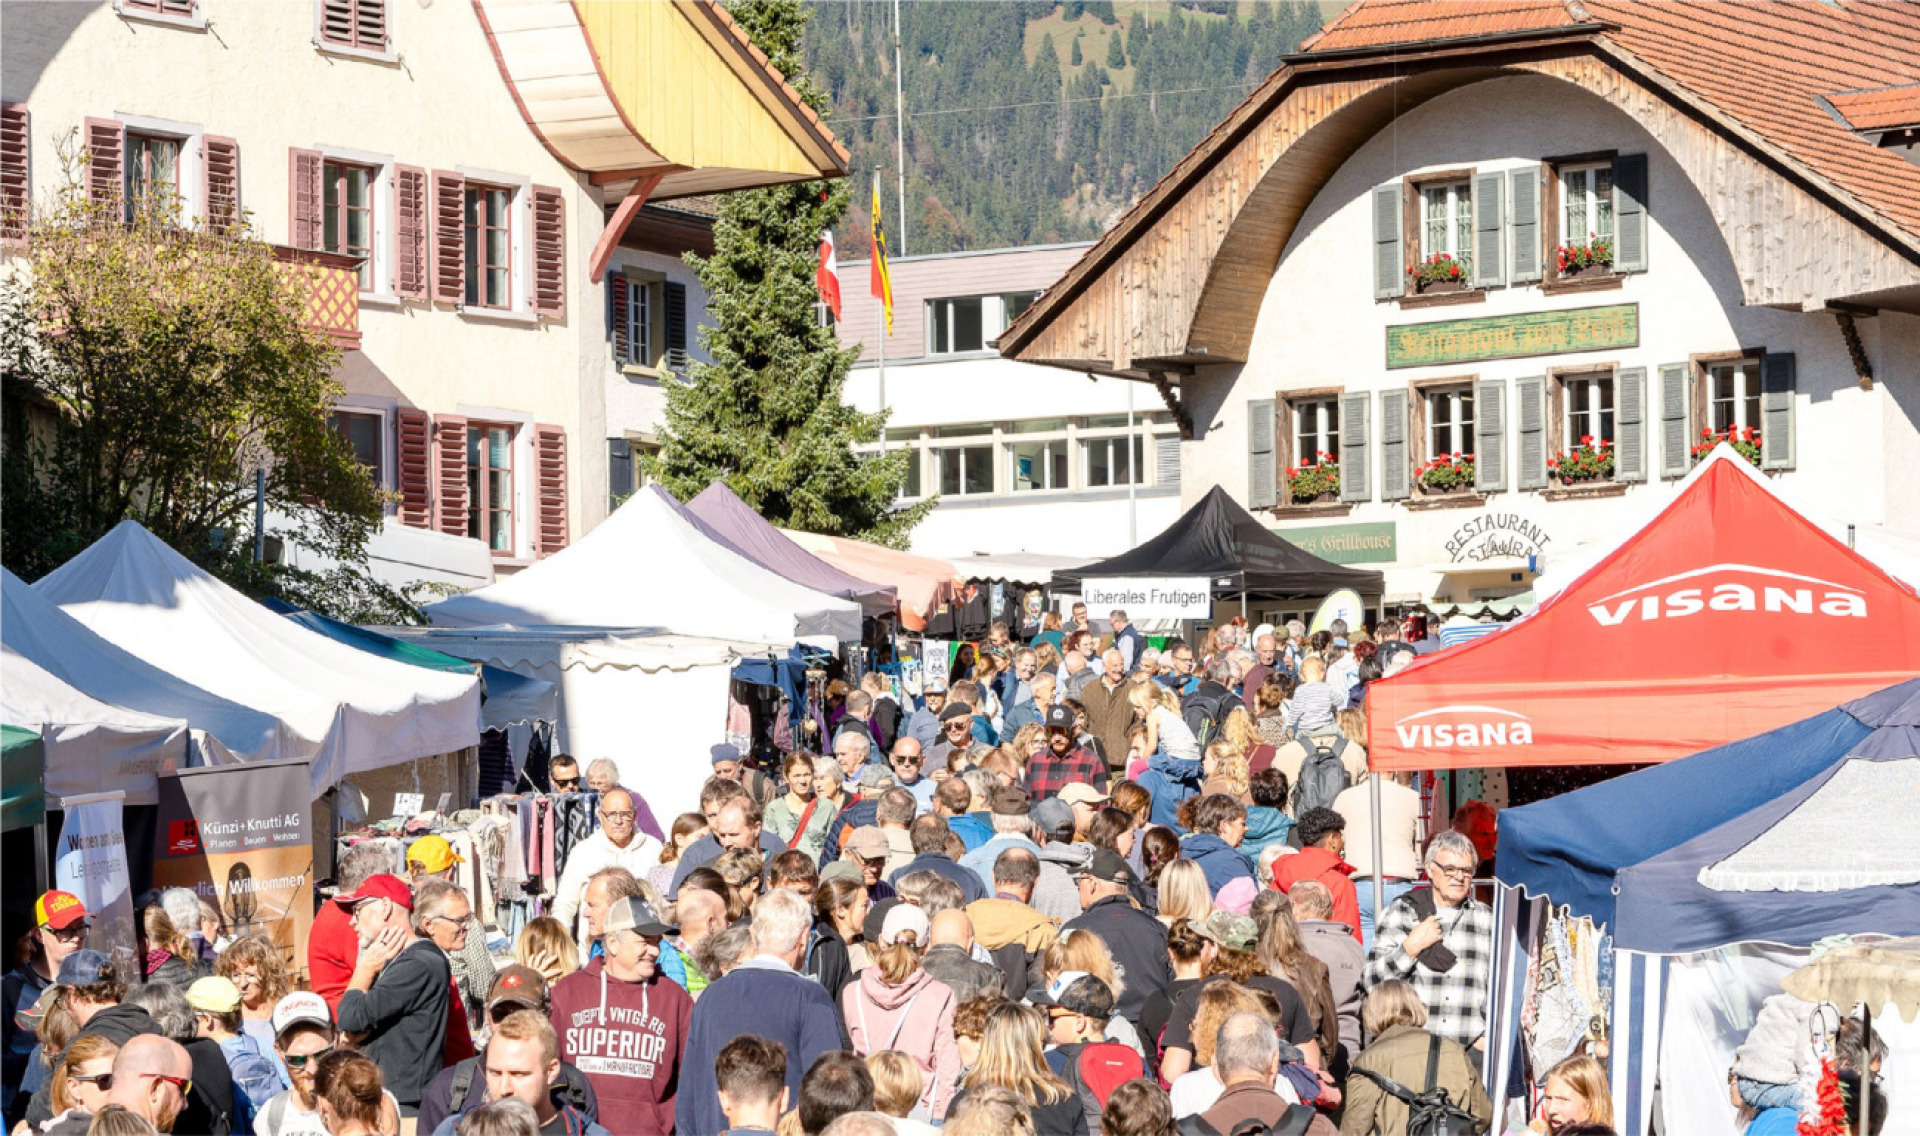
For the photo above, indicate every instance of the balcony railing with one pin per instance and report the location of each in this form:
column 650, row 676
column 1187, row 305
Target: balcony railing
column 333, row 291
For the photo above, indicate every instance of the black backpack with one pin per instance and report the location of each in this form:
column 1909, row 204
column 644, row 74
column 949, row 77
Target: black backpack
column 572, row 1084
column 1205, row 714
column 1323, row 776
column 1429, row 1112
column 1294, row 1123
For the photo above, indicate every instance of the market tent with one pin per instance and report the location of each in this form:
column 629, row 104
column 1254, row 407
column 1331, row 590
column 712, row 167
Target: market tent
column 356, row 712
column 1030, row 568
column 647, row 567
column 90, row 746
column 1728, row 615
column 922, row 583
column 23, row 798
column 1220, row 540
column 718, row 512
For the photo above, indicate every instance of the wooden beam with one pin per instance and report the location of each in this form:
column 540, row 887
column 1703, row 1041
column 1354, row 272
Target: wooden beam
column 1862, row 368
column 615, row 177
column 617, row 225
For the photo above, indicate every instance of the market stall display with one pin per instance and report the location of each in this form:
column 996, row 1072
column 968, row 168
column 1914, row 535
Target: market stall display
column 90, row 746
column 923, row 584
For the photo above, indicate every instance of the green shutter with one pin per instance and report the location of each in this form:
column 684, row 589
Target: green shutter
column 1530, row 414
column 1524, row 203
column 1489, row 230
column 1490, row 435
column 1675, row 459
column 1389, row 247
column 1263, row 474
column 1630, row 213
column 1396, row 473
column 1630, row 424
column 1356, row 454
column 1777, row 383
column 619, row 471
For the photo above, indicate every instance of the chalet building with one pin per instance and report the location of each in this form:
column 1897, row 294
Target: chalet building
column 1462, row 287
column 458, row 179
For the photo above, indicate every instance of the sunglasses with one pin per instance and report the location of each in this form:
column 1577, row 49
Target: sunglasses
column 302, row 1060
column 566, row 782
column 101, row 1081
column 184, row 1084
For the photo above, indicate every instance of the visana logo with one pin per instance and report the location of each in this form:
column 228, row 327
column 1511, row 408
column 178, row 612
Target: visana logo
column 1792, row 594
column 1466, row 726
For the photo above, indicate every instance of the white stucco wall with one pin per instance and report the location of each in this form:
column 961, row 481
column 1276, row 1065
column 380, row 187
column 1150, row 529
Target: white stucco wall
column 1319, row 326
column 637, row 401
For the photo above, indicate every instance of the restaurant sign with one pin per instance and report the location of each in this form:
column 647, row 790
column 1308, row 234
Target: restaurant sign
column 1511, row 337
column 1370, row 542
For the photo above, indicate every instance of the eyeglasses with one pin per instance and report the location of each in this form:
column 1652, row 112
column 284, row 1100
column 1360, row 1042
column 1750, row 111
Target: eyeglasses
column 463, row 921
column 184, row 1084
column 618, row 818
column 566, row 782
column 101, row 1081
column 1452, row 872
column 73, row 933
column 302, row 1060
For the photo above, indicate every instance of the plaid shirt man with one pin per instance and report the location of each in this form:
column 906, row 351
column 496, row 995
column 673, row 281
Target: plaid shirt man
column 1048, row 773
column 1456, row 999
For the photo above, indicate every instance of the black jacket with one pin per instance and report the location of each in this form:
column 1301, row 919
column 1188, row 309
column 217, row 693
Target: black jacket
column 405, row 1018
column 210, row 1104
column 436, row 1105
column 967, row 978
column 1138, row 943
column 1205, row 710
column 827, row 962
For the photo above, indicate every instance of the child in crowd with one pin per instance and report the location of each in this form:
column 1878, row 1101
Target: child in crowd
column 1311, row 709
column 751, row 1078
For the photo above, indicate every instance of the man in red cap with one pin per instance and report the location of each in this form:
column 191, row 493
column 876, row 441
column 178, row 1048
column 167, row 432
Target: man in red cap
column 59, row 929
column 399, row 994
column 332, row 943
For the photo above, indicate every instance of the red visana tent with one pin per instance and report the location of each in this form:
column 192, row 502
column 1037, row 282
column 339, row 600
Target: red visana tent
column 1728, row 615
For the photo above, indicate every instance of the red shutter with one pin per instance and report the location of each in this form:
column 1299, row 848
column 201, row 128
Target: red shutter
column 619, row 301
column 550, row 483
column 549, row 252
column 305, row 198
column 449, row 240
column 354, row 23
column 184, row 9
column 220, row 169
column 416, row 468
column 450, row 473
column 106, row 161
column 16, row 185
column 410, row 232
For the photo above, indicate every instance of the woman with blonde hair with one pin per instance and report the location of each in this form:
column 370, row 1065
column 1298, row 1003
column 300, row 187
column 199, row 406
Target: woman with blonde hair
column 1167, row 732
column 1268, row 720
column 896, row 1004
column 687, row 828
column 1013, row 1058
column 82, row 1077
column 545, row 946
column 1027, row 743
column 170, row 955
column 897, row 1088
column 253, row 965
column 1573, row 1092
column 1285, row 955
column 741, row 868
column 1184, row 893
column 1238, row 729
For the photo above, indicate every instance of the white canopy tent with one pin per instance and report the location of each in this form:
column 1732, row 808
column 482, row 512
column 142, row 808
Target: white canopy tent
column 647, row 567
column 357, row 712
column 91, row 747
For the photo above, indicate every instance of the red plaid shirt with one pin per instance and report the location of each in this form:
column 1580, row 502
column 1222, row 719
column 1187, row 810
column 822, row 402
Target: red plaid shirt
column 1048, row 774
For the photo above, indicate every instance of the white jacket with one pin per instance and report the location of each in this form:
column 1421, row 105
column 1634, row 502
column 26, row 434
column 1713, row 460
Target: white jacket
column 641, row 855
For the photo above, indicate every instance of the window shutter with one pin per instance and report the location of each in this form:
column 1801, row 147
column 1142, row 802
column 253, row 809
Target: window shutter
column 16, row 180
column 410, row 232
column 1674, row 435
column 220, row 174
column 550, row 484
column 305, row 198
column 1263, row 478
column 619, row 471
column 549, row 252
column 1524, row 201
column 354, row 23
column 1355, row 456
column 619, row 302
column 1490, row 436
column 1389, row 249
column 1166, row 460
column 183, row 9
column 1530, row 408
column 674, row 303
column 449, row 239
column 450, row 474
column 1489, row 230
column 1630, row 424
column 415, row 449
column 1630, row 213
column 1396, row 474
column 106, row 161
column 1777, row 382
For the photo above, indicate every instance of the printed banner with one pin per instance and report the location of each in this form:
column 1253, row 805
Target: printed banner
column 92, row 864
column 238, row 836
column 1149, row 597
column 1366, row 542
column 1343, row 604
column 1511, row 337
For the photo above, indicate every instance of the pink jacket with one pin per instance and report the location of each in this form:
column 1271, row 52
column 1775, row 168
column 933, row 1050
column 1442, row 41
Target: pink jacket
column 916, row 1018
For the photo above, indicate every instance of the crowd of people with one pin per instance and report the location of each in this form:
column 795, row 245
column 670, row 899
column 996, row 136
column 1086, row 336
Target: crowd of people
column 1081, row 887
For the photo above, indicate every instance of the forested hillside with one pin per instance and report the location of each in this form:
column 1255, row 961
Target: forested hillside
column 1032, row 123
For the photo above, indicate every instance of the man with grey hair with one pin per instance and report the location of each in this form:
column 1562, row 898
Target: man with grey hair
column 1440, row 941
column 1110, row 711
column 851, row 750
column 400, row 991
column 856, row 724
column 1332, row 943
column 618, row 843
column 764, row 995
column 1015, row 936
column 1246, row 1058
column 623, row 1023
column 332, row 945
column 1075, row 674
column 1266, row 658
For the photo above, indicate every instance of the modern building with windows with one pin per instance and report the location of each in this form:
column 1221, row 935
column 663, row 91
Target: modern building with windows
column 1457, row 291
column 1018, row 460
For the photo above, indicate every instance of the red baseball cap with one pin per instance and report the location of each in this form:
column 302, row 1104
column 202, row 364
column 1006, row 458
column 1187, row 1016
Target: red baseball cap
column 59, row 910
column 382, row 886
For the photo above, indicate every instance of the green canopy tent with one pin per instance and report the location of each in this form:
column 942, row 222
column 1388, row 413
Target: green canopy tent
column 23, row 773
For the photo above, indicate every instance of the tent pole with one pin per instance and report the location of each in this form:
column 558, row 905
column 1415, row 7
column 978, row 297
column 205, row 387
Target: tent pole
column 41, row 881
column 1243, row 604
column 1379, row 845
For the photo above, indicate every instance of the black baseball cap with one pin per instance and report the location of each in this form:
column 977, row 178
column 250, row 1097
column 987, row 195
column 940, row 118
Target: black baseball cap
column 1108, row 867
column 1076, row 992
column 1059, row 718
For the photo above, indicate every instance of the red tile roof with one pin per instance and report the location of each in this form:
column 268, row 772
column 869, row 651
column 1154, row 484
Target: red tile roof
column 1379, row 23
column 1885, row 109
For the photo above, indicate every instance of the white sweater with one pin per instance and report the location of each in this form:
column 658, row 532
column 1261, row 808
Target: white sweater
column 641, row 855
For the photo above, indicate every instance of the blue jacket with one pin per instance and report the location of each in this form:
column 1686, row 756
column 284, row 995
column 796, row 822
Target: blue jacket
column 923, row 726
column 972, row 831
column 1018, row 716
column 983, row 731
column 943, row 865
column 759, row 996
column 1170, row 780
column 1222, row 862
column 1265, row 827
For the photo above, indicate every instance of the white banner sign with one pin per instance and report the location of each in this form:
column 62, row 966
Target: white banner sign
column 1149, row 597
column 92, row 864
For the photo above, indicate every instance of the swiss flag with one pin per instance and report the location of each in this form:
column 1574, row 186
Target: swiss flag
column 827, row 276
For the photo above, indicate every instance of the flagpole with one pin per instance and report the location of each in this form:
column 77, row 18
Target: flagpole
column 900, row 125
column 883, row 376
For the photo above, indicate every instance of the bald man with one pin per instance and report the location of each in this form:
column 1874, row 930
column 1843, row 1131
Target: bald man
column 150, row 1079
column 618, row 844
column 950, row 958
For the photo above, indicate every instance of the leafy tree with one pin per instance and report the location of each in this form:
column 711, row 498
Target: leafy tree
column 1116, row 58
column 766, row 415
column 150, row 370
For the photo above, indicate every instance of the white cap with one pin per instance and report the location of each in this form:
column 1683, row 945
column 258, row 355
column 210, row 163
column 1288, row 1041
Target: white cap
column 903, row 918
column 301, row 1008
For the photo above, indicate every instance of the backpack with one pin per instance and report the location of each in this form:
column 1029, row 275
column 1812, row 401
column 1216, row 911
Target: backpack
column 1204, row 714
column 1429, row 1112
column 1323, row 776
column 1103, row 1066
column 572, row 1082
column 256, row 1080
column 1294, row 1123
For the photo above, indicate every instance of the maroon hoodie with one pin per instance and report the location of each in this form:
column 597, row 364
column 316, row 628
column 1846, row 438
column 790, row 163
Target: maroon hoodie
column 627, row 1038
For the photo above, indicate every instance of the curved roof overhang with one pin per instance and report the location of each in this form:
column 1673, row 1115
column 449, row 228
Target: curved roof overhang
column 1178, row 282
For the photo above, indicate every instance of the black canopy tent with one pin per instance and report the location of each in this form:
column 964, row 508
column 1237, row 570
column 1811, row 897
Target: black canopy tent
column 1223, row 542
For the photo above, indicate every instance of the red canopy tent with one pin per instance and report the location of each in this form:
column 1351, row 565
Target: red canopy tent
column 1728, row 615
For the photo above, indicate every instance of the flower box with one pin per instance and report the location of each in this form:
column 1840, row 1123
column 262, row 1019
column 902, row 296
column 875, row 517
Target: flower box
column 1313, row 481
column 1448, row 473
column 1590, row 461
column 1439, row 273
column 1430, row 287
column 1745, row 441
column 1591, row 257
column 1588, row 271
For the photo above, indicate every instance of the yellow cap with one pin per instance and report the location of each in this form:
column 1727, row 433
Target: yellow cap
column 433, row 854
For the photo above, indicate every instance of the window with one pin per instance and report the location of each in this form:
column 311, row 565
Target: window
column 489, row 240
column 1586, row 203
column 153, row 163
column 1446, row 220
column 1733, row 395
column 490, row 485
column 1015, row 303
column 166, row 11
column 347, row 214
column 640, row 323
column 954, row 326
column 362, row 431
column 1449, row 421
column 360, row 25
column 1588, row 403
column 1316, row 430
column 1040, row 463
column 964, row 470
column 1115, row 461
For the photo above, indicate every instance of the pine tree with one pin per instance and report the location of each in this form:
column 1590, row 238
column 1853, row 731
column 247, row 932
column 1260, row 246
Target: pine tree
column 766, row 415
column 1116, row 58
column 1076, row 60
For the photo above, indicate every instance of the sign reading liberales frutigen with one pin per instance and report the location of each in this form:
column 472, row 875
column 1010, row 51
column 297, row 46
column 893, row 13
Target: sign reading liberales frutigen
column 1511, row 337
